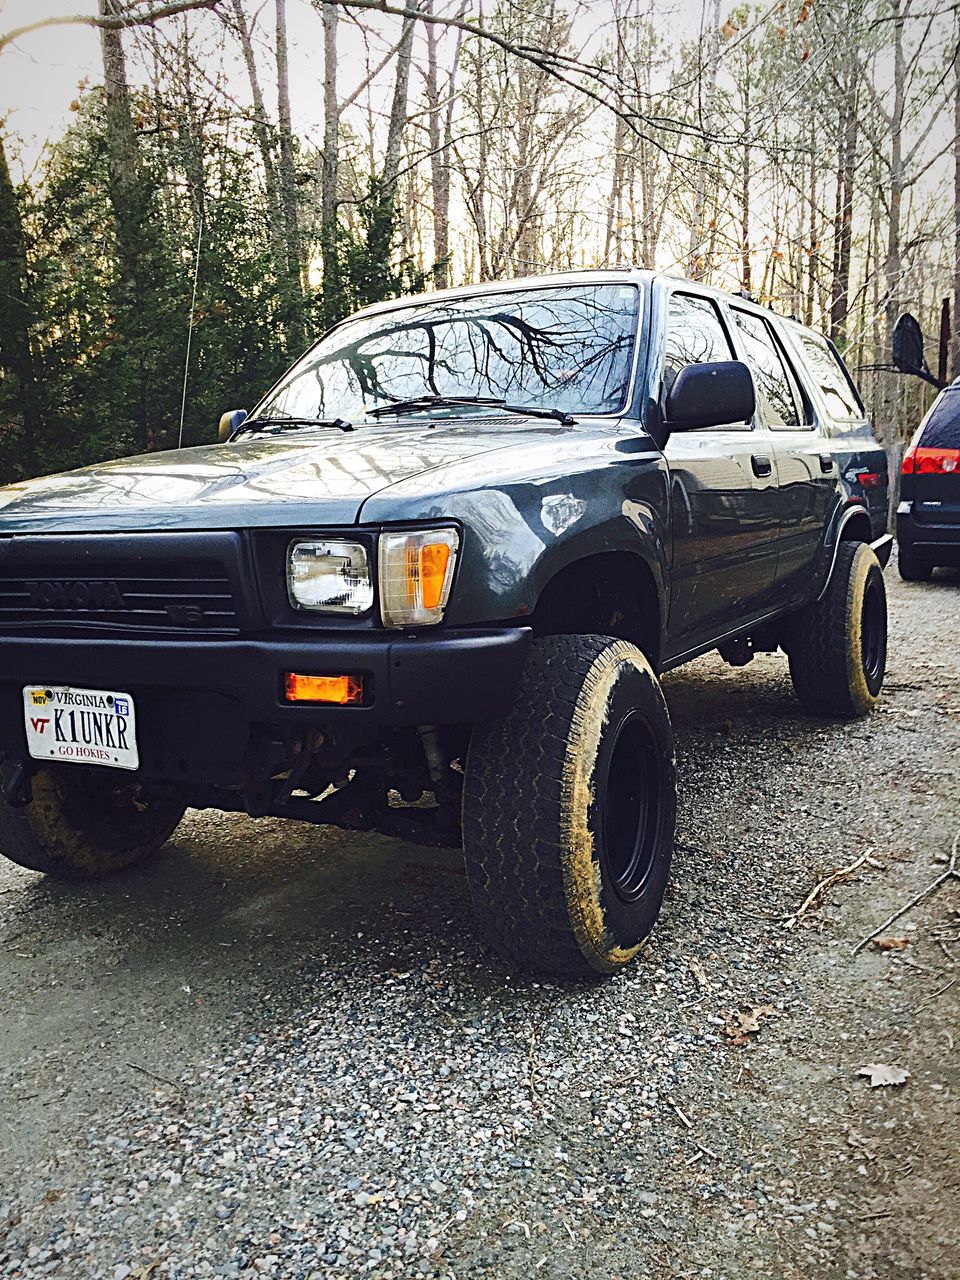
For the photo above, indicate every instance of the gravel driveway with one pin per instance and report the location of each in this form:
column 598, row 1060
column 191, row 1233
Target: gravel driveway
column 280, row 1050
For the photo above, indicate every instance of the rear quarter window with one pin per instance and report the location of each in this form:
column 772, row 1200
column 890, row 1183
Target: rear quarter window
column 828, row 371
column 942, row 429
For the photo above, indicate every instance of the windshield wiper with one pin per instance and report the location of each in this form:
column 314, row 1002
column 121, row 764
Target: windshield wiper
column 416, row 403
column 541, row 411
column 255, row 424
column 430, row 402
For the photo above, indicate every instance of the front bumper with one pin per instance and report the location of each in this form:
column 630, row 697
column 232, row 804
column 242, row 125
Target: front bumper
column 212, row 711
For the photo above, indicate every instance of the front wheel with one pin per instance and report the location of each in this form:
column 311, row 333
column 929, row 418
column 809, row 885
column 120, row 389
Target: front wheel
column 838, row 645
column 569, row 809
column 82, row 824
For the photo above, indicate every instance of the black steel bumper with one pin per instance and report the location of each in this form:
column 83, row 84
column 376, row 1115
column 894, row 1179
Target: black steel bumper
column 203, row 705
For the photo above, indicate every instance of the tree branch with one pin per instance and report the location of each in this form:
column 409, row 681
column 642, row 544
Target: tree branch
column 555, row 63
column 109, row 22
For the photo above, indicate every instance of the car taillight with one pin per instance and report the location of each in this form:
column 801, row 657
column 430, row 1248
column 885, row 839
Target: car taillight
column 930, row 462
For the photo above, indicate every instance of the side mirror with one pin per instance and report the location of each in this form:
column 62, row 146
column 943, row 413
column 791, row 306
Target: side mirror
column 229, row 423
column 710, row 395
column 906, row 349
column 907, row 345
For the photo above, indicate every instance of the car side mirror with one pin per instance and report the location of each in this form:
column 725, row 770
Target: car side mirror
column 710, row 395
column 229, row 423
column 906, row 350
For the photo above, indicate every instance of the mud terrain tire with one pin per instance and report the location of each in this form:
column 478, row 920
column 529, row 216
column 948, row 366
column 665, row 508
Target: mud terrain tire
column 83, row 824
column 838, row 648
column 569, row 809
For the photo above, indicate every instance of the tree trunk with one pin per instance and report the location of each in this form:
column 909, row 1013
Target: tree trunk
column 477, row 194
column 745, row 275
column 813, row 233
column 130, row 198
column 612, row 237
column 398, row 108
column 262, row 134
column 522, row 253
column 190, row 134
column 955, row 354
column 443, row 198
column 440, row 128
column 122, row 156
column 16, row 356
column 333, row 301
column 697, row 265
column 288, row 189
column 382, row 222
column 843, row 215
column 890, row 426
column 893, row 266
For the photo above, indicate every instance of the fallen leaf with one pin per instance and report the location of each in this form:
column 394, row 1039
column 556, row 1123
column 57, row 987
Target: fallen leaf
column 747, row 1022
column 890, row 943
column 880, row 1074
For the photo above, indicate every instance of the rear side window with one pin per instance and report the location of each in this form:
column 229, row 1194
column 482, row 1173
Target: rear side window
column 779, row 397
column 830, row 374
column 943, row 425
column 695, row 335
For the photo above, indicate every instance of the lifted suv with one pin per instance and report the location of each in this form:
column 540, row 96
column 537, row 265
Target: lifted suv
column 428, row 586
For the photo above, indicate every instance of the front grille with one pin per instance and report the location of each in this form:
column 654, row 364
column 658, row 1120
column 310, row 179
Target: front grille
column 182, row 595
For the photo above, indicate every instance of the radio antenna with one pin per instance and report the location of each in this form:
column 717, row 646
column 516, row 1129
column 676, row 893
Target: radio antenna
column 193, row 308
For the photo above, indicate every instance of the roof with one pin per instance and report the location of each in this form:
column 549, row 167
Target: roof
column 580, row 275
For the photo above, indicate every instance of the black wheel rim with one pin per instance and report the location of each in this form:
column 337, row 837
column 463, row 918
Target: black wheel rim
column 113, row 812
column 873, row 637
column 632, row 809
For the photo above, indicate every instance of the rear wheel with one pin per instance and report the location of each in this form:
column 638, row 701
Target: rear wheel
column 838, row 647
column 570, row 807
column 911, row 567
column 82, row 824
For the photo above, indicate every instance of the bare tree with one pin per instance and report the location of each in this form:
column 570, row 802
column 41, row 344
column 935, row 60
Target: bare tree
column 286, row 170
column 262, row 129
column 697, row 259
column 329, row 236
column 955, row 353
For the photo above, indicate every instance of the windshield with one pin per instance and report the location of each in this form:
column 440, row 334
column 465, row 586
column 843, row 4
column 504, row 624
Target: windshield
column 568, row 348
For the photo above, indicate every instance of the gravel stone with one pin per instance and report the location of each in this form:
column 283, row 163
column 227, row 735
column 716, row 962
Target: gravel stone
column 280, row 1050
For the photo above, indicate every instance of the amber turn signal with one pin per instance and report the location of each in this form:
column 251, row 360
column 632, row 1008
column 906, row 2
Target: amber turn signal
column 342, row 691
column 416, row 570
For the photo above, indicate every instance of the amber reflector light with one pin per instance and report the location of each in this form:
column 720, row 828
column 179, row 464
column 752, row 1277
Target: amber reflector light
column 343, row 691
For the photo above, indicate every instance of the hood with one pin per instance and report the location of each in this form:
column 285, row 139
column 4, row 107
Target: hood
column 305, row 477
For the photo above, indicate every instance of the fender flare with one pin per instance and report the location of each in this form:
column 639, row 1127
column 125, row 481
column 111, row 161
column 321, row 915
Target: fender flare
column 854, row 511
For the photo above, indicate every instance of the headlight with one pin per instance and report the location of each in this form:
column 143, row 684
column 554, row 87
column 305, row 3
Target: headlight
column 416, row 570
column 330, row 576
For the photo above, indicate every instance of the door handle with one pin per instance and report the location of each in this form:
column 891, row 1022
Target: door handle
column 826, row 463
column 762, row 466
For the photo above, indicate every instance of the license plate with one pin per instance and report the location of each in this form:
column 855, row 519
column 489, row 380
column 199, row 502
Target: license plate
column 81, row 726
